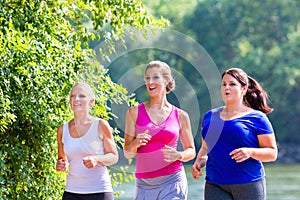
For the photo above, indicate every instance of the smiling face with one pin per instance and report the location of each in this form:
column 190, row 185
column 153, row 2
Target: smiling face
column 81, row 98
column 232, row 91
column 155, row 82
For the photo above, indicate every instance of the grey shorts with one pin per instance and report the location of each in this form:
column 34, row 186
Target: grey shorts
column 170, row 187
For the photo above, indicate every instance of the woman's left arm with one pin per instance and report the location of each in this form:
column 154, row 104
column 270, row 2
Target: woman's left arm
column 268, row 148
column 267, row 151
column 186, row 137
column 111, row 155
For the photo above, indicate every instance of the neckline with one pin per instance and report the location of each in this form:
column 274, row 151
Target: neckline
column 221, row 108
column 157, row 124
column 88, row 130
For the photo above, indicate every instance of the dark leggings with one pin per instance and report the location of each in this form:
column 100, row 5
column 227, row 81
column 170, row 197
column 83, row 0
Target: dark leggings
column 94, row 196
column 248, row 191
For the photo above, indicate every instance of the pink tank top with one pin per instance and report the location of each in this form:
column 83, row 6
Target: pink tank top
column 150, row 159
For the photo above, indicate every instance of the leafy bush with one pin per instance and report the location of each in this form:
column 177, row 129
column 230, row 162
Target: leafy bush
column 43, row 49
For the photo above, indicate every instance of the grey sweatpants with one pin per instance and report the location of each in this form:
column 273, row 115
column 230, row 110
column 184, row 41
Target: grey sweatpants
column 247, row 191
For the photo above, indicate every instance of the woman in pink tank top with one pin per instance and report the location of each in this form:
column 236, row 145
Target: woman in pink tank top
column 151, row 135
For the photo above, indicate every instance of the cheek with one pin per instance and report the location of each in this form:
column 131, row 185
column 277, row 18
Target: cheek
column 163, row 81
column 222, row 90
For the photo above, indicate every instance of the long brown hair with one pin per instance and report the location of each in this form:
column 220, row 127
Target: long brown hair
column 256, row 97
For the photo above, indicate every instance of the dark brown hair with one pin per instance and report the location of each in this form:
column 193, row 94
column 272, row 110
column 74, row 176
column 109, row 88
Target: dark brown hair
column 256, row 97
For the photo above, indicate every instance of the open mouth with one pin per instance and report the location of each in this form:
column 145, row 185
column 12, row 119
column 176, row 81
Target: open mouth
column 152, row 88
column 227, row 93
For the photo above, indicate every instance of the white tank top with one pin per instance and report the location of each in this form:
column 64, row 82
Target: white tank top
column 81, row 179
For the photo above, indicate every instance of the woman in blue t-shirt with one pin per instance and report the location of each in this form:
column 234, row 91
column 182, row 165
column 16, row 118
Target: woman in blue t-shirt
column 236, row 139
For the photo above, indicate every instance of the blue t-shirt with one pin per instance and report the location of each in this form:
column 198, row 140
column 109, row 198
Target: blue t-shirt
column 223, row 136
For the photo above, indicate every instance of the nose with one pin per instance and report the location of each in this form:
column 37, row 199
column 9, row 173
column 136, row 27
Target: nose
column 76, row 97
column 151, row 80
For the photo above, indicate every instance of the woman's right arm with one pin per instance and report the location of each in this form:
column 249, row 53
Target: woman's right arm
column 132, row 141
column 200, row 161
column 130, row 147
column 61, row 164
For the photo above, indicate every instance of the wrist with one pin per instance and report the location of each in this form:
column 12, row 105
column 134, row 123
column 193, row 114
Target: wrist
column 98, row 159
column 129, row 154
column 180, row 156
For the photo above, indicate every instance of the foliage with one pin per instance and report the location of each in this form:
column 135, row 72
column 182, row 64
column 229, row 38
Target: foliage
column 261, row 37
column 43, row 49
column 173, row 10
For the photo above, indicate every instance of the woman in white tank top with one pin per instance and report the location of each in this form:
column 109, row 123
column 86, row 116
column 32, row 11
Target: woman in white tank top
column 85, row 147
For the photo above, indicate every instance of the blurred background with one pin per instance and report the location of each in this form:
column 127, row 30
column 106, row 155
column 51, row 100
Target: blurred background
column 261, row 37
column 46, row 46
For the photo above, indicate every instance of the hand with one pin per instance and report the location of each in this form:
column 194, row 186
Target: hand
column 61, row 165
column 142, row 139
column 196, row 168
column 170, row 154
column 241, row 154
column 90, row 161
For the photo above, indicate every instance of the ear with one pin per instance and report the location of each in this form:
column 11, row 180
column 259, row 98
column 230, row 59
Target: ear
column 167, row 80
column 244, row 90
column 92, row 101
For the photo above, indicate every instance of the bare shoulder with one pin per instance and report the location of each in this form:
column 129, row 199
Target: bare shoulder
column 104, row 125
column 132, row 112
column 133, row 109
column 182, row 114
column 183, row 118
column 60, row 131
column 104, row 129
column 60, row 128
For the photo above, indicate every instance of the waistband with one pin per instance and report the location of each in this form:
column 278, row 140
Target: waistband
column 163, row 180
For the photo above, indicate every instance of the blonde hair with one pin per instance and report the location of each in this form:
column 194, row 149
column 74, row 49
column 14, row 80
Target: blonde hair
column 166, row 72
column 89, row 90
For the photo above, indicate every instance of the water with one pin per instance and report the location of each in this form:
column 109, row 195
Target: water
column 283, row 183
